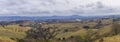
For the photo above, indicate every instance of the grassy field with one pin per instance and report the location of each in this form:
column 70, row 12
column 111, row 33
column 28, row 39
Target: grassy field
column 66, row 30
column 80, row 31
column 12, row 31
column 6, row 39
column 111, row 39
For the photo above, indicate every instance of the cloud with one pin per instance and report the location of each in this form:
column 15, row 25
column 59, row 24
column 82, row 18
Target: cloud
column 57, row 7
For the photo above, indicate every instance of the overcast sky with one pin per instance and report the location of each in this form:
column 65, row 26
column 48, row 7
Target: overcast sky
column 59, row 7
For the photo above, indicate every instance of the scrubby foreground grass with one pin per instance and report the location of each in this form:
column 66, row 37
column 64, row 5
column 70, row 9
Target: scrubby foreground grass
column 110, row 39
column 10, row 32
column 6, row 39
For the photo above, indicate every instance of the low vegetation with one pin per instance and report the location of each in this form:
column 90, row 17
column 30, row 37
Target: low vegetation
column 105, row 30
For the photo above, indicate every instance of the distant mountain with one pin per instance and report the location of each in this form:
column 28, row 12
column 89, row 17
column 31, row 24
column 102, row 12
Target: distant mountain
column 44, row 18
column 14, row 18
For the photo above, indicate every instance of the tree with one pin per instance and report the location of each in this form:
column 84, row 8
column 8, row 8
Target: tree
column 86, row 27
column 116, row 29
column 42, row 34
column 75, row 39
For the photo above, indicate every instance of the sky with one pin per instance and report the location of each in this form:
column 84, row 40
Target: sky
column 59, row 7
